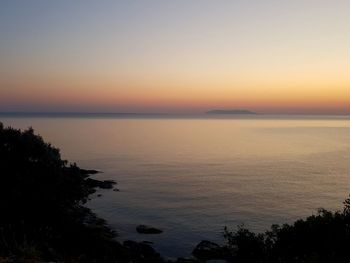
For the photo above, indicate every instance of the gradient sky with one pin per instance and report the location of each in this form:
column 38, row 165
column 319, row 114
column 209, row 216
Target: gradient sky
column 270, row 56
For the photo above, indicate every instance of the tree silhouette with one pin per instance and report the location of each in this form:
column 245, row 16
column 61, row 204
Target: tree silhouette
column 41, row 204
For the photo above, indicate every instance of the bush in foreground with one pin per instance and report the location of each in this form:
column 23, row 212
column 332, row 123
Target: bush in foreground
column 42, row 199
column 43, row 219
column 324, row 237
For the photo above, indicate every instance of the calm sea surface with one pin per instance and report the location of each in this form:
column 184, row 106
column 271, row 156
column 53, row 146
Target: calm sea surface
column 192, row 176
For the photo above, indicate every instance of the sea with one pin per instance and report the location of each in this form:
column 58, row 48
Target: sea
column 193, row 175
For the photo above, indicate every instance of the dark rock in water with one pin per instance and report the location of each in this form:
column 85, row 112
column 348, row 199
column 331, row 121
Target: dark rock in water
column 107, row 184
column 143, row 229
column 116, row 190
column 141, row 252
column 99, row 195
column 207, row 250
column 89, row 172
column 140, row 247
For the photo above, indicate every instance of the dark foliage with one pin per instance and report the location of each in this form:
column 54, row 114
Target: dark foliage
column 41, row 204
column 43, row 218
column 321, row 238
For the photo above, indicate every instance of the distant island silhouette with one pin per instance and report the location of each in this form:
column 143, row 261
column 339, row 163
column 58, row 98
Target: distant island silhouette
column 234, row 111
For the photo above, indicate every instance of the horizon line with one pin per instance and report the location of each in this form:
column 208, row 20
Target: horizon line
column 38, row 113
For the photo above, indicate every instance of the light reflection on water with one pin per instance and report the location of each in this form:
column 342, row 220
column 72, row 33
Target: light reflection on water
column 193, row 176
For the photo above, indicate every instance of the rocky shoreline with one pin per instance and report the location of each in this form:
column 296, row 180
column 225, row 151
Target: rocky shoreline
column 44, row 219
column 205, row 251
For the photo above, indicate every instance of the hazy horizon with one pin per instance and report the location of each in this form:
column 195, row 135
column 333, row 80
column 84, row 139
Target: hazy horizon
column 180, row 113
column 175, row 131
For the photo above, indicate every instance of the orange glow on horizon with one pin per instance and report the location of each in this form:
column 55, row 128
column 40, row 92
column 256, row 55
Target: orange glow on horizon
column 268, row 57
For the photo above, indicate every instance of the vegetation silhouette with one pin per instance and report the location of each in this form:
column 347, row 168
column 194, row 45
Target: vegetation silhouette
column 324, row 237
column 43, row 219
column 320, row 238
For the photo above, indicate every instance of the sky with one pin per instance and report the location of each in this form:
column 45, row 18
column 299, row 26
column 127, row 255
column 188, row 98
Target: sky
column 184, row 56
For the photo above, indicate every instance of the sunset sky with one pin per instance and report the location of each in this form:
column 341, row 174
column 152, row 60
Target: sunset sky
column 182, row 56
